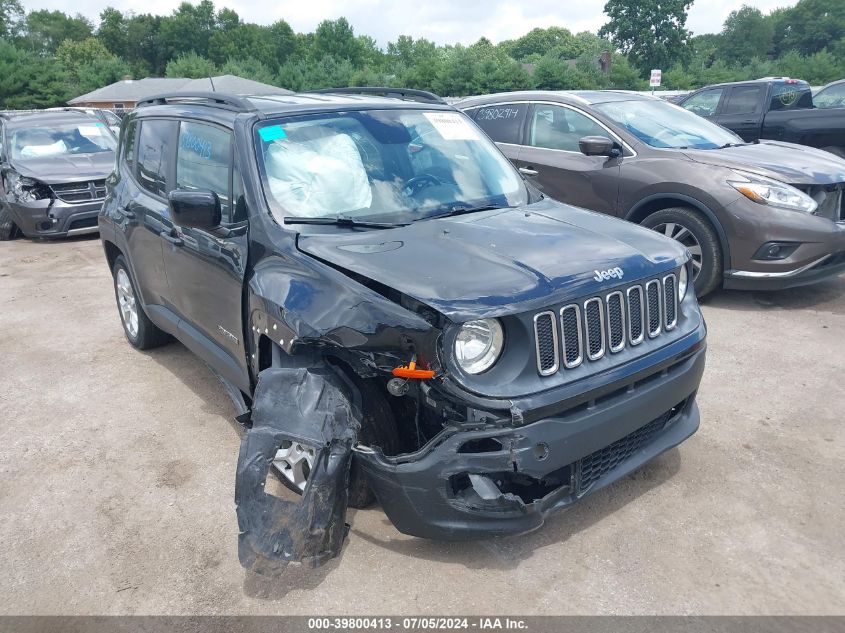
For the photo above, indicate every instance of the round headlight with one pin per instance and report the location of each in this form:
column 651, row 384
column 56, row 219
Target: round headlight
column 682, row 282
column 478, row 345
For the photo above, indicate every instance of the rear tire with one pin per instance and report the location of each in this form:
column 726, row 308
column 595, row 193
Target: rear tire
column 693, row 230
column 8, row 229
column 140, row 331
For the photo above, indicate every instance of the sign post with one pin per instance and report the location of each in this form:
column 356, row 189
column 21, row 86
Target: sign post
column 654, row 80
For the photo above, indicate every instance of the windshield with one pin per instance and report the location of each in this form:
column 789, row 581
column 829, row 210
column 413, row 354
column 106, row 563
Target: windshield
column 61, row 139
column 662, row 124
column 388, row 165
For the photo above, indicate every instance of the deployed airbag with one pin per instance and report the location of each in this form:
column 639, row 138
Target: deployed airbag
column 318, row 177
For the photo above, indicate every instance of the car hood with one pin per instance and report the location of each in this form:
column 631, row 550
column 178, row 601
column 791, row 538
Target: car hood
column 58, row 169
column 500, row 262
column 787, row 162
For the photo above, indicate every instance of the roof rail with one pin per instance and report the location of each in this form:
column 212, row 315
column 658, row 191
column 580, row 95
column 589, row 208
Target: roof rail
column 215, row 99
column 422, row 96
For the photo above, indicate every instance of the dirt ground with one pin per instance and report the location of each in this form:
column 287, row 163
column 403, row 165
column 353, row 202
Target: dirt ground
column 117, row 477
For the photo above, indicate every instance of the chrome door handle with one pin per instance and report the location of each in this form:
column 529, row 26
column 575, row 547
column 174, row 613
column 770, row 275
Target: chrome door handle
column 527, row 171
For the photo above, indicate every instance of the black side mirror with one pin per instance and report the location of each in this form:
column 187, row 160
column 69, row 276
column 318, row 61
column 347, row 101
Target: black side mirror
column 195, row 209
column 598, row 146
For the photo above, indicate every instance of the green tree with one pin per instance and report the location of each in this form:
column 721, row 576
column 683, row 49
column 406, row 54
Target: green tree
column 143, row 49
column 112, row 31
column 249, row 68
column 29, row 81
column 335, row 38
column 190, row 65
column 90, row 65
column 45, row 30
column 189, row 28
column 651, row 33
column 746, row 33
column 11, row 18
column 809, row 26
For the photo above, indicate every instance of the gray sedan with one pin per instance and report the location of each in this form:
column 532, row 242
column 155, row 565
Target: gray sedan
column 760, row 215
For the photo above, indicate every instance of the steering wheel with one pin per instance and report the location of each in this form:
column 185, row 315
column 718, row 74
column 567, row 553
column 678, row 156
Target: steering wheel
column 416, row 184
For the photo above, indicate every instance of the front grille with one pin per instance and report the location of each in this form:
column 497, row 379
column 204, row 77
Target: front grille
column 73, row 192
column 588, row 330
column 595, row 465
column 85, row 223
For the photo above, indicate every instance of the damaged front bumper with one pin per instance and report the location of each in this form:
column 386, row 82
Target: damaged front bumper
column 55, row 218
column 507, row 479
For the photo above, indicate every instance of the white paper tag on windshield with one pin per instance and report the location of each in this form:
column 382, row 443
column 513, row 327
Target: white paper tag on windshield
column 452, row 126
column 90, row 130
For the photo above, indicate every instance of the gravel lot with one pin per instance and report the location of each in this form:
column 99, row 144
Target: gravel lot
column 117, row 477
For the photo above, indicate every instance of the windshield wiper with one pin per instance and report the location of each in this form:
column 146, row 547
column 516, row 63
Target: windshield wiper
column 462, row 209
column 342, row 220
column 727, row 145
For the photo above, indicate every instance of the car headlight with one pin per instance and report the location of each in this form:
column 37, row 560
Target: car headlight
column 683, row 282
column 773, row 193
column 478, row 345
column 25, row 189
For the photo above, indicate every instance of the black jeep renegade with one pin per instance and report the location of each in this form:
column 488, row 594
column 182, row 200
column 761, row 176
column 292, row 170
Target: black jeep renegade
column 396, row 313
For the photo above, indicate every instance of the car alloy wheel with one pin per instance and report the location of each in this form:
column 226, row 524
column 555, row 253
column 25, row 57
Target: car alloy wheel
column 294, row 462
column 126, row 301
column 682, row 234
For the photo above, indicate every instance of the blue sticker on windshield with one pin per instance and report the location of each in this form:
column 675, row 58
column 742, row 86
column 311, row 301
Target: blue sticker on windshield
column 271, row 133
column 100, row 124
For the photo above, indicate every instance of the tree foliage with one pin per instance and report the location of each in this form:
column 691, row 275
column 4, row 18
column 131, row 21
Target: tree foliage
column 49, row 56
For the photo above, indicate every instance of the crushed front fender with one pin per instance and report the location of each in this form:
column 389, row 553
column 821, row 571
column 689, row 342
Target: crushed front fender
column 310, row 405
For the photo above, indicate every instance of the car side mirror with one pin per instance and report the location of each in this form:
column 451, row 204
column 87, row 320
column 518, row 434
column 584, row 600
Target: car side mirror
column 195, row 209
column 599, row 146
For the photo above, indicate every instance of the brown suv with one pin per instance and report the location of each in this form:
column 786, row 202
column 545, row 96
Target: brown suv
column 752, row 215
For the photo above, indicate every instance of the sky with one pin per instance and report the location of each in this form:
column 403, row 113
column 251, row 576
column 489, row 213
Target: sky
column 443, row 21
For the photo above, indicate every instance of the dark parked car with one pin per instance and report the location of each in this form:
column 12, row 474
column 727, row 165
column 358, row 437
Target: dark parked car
column 831, row 96
column 53, row 168
column 780, row 109
column 753, row 215
column 371, row 277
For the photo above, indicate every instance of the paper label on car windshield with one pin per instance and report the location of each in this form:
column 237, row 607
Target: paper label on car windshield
column 90, row 130
column 452, row 126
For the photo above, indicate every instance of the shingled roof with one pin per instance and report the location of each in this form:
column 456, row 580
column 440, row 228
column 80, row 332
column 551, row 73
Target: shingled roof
column 133, row 90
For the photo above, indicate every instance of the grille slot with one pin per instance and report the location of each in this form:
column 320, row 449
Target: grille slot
column 670, row 301
column 80, row 191
column 594, row 320
column 636, row 315
column 546, row 342
column 615, row 322
column 654, row 320
column 573, row 336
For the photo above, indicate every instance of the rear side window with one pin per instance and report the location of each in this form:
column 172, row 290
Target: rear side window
column 743, row 100
column 555, row 127
column 129, row 145
column 203, row 161
column 704, row 103
column 502, row 123
column 791, row 96
column 833, row 97
column 155, row 141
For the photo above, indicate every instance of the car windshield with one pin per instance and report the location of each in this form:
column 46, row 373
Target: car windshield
column 60, row 139
column 392, row 166
column 666, row 125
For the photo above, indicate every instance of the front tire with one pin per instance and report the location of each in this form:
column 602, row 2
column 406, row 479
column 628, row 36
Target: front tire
column 694, row 231
column 8, row 229
column 140, row 331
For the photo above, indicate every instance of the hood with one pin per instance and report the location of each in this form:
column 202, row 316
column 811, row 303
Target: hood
column 74, row 168
column 787, row 162
column 500, row 262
